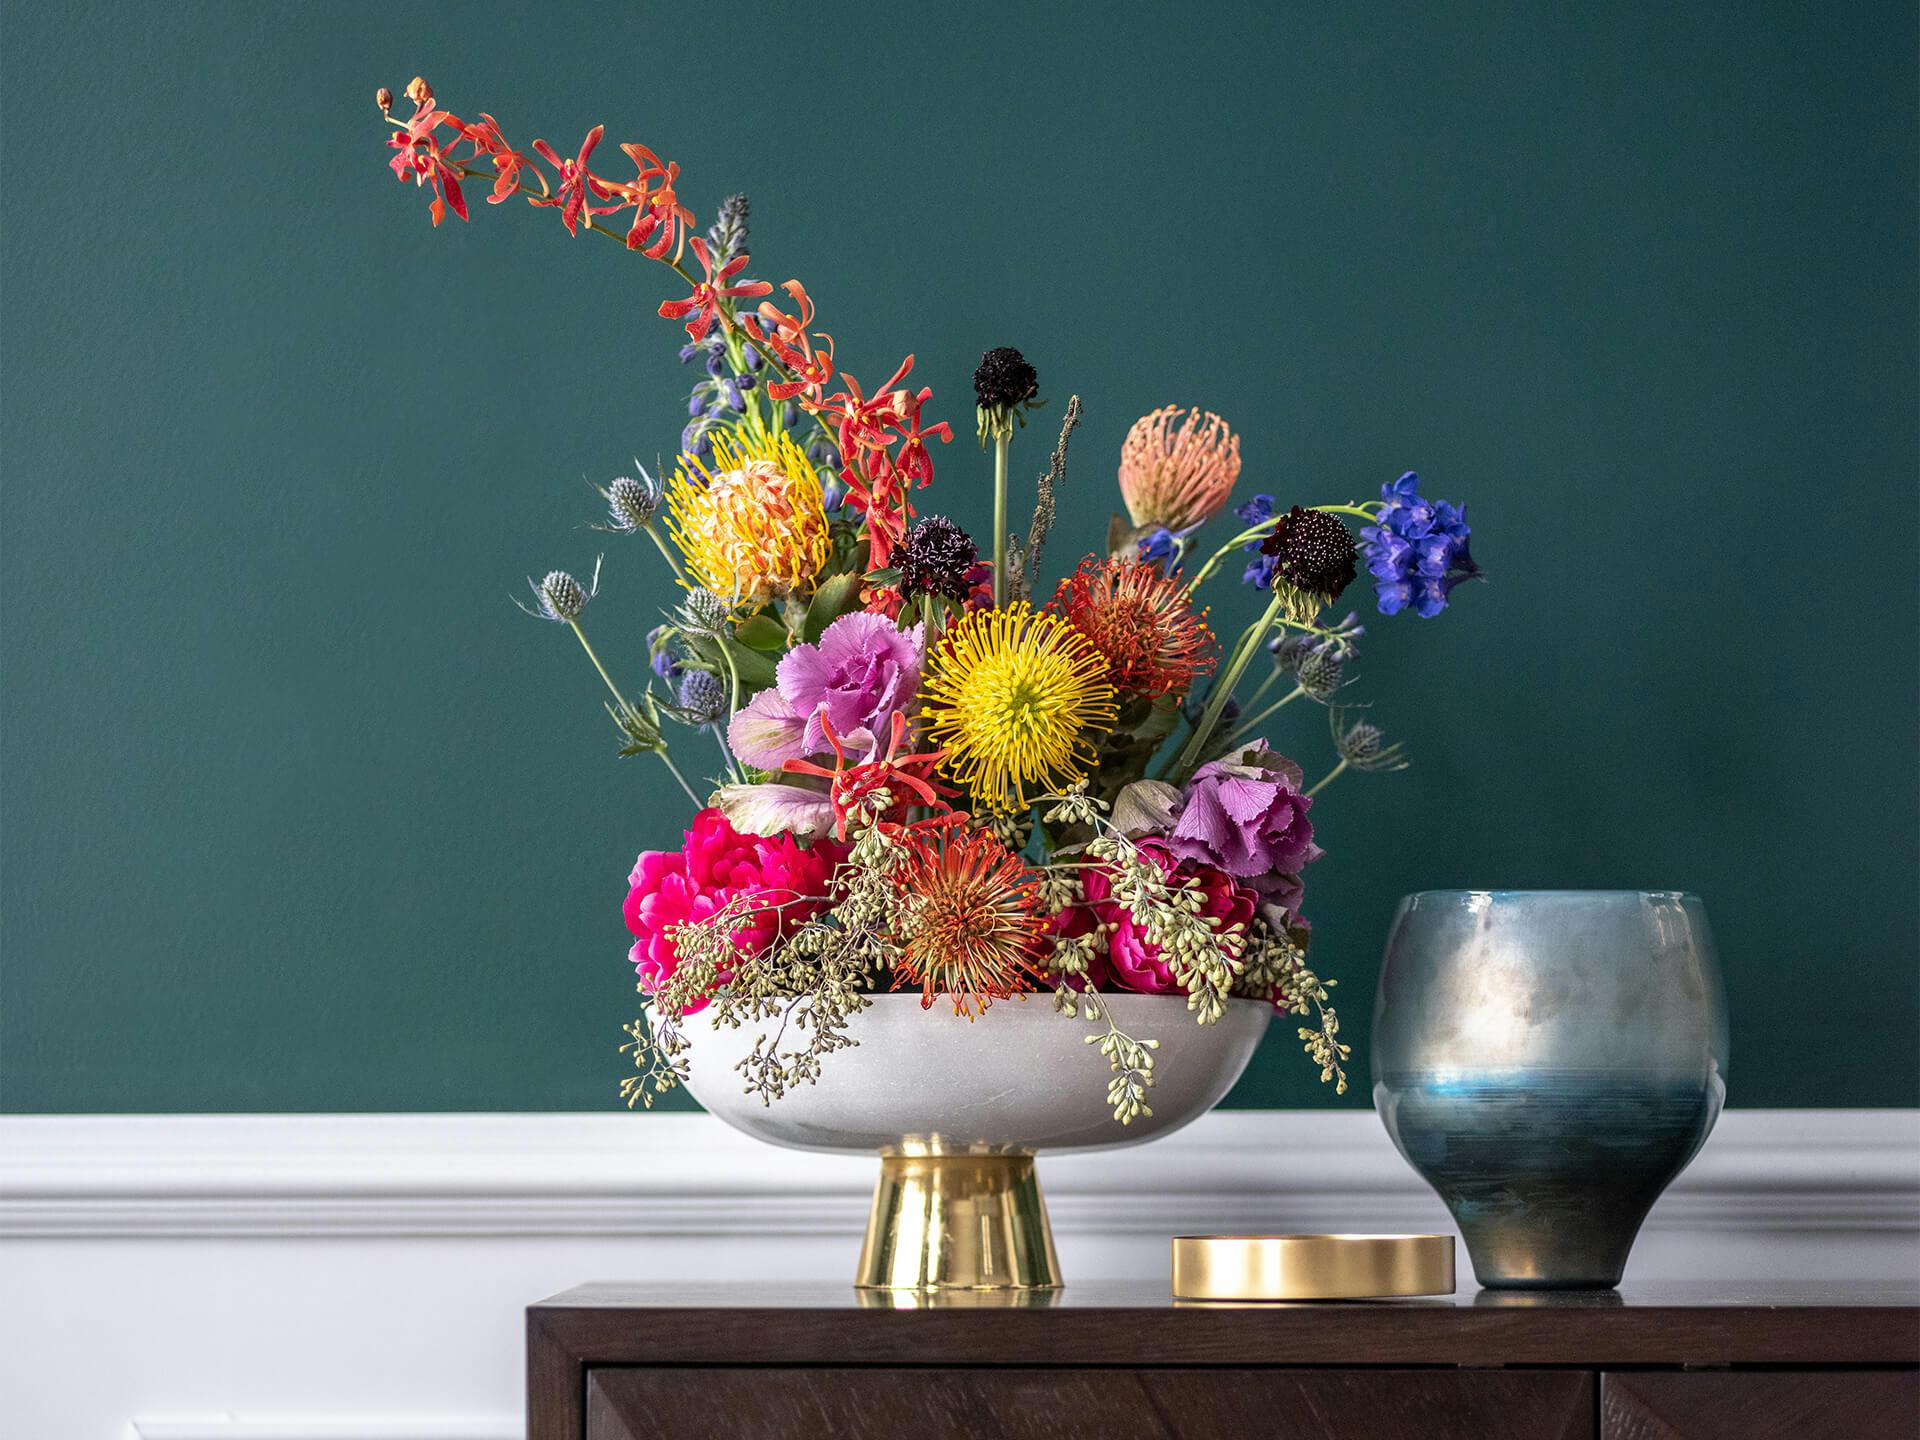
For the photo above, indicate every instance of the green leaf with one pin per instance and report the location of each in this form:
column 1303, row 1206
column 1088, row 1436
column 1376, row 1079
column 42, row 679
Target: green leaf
column 761, row 632
column 837, row 595
column 756, row 667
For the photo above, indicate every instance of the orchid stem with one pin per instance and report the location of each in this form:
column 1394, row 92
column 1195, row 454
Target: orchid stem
column 1001, row 443
column 1327, row 779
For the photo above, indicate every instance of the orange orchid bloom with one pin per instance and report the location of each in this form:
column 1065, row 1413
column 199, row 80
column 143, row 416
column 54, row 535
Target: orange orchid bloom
column 703, row 305
column 789, row 338
column 852, row 787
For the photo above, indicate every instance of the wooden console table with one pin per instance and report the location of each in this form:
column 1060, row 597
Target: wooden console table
column 655, row 1362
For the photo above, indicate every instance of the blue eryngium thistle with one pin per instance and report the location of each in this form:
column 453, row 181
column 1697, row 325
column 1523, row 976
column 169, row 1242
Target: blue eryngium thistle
column 1321, row 672
column 1362, row 746
column 704, row 613
column 703, row 698
column 632, row 501
column 559, row 597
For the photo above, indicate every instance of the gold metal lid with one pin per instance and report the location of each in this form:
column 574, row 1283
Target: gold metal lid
column 1311, row 1267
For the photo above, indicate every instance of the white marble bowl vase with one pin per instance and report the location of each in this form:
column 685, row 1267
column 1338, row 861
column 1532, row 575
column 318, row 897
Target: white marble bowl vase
column 956, row 1111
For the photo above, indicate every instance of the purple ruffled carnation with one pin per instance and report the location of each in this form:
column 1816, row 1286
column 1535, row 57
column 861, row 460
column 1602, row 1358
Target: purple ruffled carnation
column 861, row 672
column 1416, row 551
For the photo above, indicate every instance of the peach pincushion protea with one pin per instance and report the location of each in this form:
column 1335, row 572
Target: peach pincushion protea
column 1175, row 473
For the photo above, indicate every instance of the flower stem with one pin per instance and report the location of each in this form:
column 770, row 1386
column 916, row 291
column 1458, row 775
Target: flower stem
column 627, row 709
column 1273, row 709
column 1327, row 779
column 1236, row 666
column 668, row 760
column 678, row 573
column 1000, row 447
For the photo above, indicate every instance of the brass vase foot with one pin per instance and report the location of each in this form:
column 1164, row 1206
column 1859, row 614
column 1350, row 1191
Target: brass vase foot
column 958, row 1222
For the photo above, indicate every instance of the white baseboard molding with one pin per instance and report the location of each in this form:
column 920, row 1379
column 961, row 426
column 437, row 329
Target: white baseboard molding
column 340, row 1277
column 683, row 1175
column 240, row 1427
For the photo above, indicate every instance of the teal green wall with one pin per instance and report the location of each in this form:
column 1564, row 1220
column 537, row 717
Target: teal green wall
column 300, row 814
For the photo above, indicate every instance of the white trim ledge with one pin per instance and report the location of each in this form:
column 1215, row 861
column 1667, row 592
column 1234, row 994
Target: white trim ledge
column 69, row 1177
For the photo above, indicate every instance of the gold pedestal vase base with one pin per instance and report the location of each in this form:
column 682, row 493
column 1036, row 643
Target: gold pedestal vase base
column 958, row 1222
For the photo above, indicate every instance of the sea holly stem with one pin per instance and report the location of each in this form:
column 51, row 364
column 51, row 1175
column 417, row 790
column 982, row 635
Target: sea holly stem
column 627, row 708
column 1247, row 726
column 1328, row 778
column 1243, row 653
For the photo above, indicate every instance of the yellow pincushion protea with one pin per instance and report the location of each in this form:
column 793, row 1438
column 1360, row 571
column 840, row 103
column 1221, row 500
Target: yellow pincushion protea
column 751, row 520
column 1018, row 699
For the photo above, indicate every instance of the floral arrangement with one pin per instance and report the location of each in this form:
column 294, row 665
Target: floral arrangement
column 932, row 772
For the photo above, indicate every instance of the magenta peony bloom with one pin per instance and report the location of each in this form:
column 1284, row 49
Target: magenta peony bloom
column 1132, row 962
column 716, row 864
column 860, row 673
column 1244, row 813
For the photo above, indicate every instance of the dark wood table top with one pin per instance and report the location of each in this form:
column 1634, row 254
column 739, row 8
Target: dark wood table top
column 1141, row 1324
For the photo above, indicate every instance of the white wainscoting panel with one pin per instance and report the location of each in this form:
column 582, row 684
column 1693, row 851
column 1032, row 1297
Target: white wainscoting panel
column 339, row 1277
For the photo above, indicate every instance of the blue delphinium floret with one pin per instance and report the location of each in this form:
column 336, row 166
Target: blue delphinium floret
column 1166, row 549
column 1416, row 550
column 1259, row 572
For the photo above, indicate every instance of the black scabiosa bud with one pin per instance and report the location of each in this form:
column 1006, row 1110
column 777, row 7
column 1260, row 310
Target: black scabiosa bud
column 936, row 558
column 1313, row 551
column 1005, row 387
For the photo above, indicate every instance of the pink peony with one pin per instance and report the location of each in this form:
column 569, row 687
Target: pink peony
column 717, row 864
column 1245, row 814
column 861, row 672
column 1132, row 962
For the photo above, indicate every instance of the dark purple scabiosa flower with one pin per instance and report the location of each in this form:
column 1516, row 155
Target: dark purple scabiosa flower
column 1005, row 387
column 1416, row 550
column 937, row 558
column 1312, row 551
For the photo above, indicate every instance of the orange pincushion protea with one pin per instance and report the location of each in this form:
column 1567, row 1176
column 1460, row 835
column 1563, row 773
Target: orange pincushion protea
column 752, row 521
column 1142, row 623
column 969, row 922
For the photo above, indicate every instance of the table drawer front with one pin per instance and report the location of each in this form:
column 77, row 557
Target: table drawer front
column 644, row 1403
column 1761, row 1405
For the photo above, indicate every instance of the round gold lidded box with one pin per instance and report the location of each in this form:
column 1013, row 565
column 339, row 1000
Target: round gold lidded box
column 1311, row 1267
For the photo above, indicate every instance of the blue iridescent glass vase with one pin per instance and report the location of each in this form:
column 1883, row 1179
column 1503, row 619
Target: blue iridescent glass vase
column 1549, row 1060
